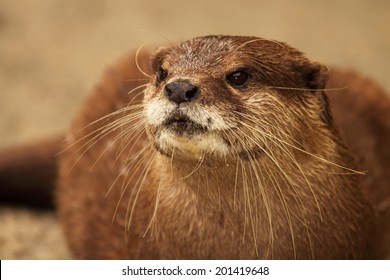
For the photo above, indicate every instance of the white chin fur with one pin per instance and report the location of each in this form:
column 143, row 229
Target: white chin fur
column 157, row 111
column 197, row 146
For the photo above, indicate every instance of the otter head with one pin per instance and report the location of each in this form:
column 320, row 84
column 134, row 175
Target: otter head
column 232, row 96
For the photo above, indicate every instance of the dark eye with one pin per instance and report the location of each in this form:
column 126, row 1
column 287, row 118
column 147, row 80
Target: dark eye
column 161, row 74
column 238, row 78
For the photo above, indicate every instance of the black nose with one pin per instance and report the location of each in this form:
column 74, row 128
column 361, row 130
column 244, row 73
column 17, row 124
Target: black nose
column 181, row 91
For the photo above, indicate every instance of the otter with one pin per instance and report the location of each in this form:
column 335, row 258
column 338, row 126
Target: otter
column 227, row 147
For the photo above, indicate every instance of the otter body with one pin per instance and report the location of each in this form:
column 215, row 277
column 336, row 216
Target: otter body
column 220, row 148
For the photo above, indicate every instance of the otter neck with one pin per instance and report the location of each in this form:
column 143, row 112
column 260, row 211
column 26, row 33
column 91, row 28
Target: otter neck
column 228, row 183
column 234, row 182
column 217, row 181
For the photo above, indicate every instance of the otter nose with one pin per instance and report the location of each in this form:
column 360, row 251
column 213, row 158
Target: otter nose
column 181, row 91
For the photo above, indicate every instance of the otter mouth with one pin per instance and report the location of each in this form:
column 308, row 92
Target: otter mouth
column 182, row 125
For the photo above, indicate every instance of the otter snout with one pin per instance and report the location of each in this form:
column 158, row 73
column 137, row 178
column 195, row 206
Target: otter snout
column 181, row 91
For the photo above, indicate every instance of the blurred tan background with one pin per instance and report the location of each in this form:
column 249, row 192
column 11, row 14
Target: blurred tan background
column 52, row 52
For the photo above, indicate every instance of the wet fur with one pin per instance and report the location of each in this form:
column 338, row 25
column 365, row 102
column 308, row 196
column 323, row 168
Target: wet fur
column 273, row 180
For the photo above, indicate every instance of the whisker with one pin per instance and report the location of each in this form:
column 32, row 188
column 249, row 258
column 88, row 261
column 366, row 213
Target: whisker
column 308, row 89
column 303, row 151
column 137, row 62
column 139, row 159
column 139, row 184
column 196, row 168
column 153, row 220
column 260, row 39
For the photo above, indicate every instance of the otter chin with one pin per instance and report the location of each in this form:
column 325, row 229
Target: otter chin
column 219, row 147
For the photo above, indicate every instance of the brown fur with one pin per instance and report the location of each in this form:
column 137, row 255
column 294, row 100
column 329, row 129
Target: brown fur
column 362, row 112
column 291, row 194
column 28, row 173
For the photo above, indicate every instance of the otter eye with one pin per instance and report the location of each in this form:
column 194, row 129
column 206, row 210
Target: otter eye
column 238, row 78
column 161, row 74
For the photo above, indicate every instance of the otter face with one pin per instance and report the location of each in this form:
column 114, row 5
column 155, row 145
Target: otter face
column 222, row 95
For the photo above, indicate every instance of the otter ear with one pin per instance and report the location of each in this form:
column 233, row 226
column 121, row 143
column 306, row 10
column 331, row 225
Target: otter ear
column 315, row 75
column 157, row 58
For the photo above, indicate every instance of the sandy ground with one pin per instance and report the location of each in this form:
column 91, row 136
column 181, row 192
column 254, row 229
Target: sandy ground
column 52, row 52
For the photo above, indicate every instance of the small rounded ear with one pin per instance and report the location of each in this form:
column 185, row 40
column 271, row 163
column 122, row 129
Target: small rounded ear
column 315, row 75
column 157, row 58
